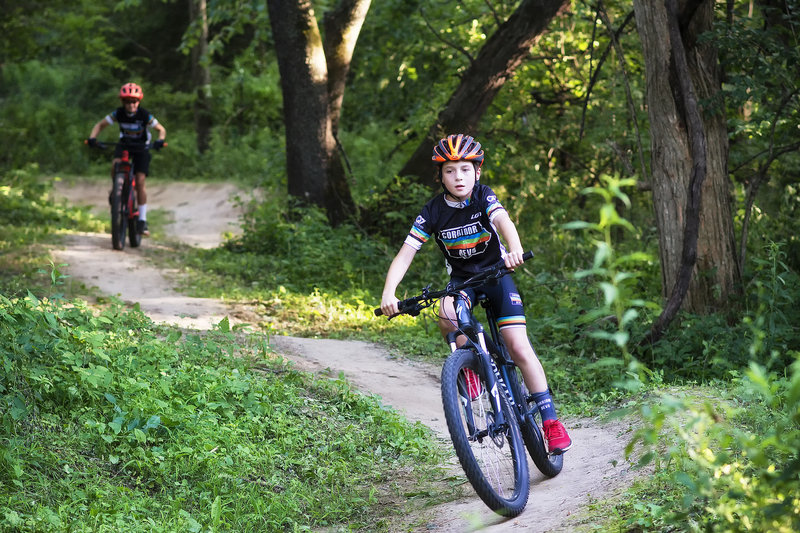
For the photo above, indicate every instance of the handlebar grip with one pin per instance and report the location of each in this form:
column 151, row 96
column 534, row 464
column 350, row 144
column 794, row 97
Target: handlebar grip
column 404, row 306
column 527, row 255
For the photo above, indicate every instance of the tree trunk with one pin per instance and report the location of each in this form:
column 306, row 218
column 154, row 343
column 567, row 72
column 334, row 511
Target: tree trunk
column 312, row 96
column 201, row 75
column 342, row 26
column 715, row 275
column 495, row 63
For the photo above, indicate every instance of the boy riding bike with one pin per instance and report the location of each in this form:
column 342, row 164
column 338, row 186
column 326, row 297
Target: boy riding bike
column 466, row 221
column 134, row 136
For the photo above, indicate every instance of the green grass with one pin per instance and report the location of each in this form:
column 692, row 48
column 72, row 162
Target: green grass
column 111, row 421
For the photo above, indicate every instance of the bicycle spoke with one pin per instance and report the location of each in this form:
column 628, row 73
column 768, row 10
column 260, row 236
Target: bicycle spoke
column 492, row 451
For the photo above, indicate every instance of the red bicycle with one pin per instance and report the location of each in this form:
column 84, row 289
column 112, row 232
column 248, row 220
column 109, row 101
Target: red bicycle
column 124, row 209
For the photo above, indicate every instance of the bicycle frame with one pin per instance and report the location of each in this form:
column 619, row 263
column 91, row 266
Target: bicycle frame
column 125, row 166
column 491, row 349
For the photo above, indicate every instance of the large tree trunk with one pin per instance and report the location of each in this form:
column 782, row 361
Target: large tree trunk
column 313, row 87
column 715, row 275
column 201, row 75
column 342, row 26
column 495, row 63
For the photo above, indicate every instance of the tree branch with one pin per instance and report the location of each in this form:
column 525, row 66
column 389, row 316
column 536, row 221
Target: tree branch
column 596, row 73
column 762, row 175
column 438, row 36
column 494, row 13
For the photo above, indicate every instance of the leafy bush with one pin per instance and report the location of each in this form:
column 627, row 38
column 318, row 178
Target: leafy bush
column 109, row 422
column 47, row 128
column 736, row 463
column 712, row 347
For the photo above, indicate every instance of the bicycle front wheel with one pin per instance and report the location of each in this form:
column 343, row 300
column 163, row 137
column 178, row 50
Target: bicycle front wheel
column 118, row 216
column 492, row 455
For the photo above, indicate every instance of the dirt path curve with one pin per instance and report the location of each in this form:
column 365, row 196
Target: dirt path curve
column 594, row 469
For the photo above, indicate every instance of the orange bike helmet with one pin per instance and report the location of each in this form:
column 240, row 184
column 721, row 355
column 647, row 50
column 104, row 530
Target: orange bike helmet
column 458, row 147
column 131, row 90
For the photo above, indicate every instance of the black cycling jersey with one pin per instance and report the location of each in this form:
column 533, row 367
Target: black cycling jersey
column 463, row 230
column 133, row 129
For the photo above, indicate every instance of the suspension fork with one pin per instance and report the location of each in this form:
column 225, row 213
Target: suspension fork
column 132, row 212
column 476, row 340
column 502, row 361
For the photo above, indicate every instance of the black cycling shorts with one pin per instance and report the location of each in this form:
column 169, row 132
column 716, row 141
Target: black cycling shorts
column 504, row 299
column 140, row 158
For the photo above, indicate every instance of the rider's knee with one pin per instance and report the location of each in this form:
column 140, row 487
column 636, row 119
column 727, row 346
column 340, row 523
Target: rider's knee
column 445, row 325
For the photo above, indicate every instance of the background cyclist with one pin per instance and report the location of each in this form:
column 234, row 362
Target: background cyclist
column 134, row 135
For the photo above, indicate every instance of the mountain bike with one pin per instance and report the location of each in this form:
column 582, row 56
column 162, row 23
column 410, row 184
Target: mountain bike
column 122, row 199
column 486, row 404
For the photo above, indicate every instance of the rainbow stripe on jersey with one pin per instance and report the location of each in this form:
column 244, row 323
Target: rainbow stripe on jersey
column 465, row 242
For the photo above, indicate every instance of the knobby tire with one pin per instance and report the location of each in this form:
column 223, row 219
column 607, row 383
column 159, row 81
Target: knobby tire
column 531, row 429
column 119, row 218
column 496, row 466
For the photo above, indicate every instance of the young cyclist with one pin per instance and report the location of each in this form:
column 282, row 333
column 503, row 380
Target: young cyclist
column 466, row 221
column 134, row 136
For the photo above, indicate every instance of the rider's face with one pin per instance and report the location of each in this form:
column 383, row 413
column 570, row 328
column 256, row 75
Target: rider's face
column 130, row 104
column 459, row 178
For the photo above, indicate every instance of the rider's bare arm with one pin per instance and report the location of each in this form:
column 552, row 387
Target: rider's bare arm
column 100, row 126
column 395, row 275
column 162, row 131
column 508, row 231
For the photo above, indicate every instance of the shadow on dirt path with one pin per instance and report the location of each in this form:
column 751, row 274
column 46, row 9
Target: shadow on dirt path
column 595, row 468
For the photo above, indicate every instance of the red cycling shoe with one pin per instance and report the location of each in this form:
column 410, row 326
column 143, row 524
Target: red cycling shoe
column 558, row 440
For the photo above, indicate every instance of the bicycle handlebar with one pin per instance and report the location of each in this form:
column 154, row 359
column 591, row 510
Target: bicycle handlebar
column 412, row 306
column 103, row 145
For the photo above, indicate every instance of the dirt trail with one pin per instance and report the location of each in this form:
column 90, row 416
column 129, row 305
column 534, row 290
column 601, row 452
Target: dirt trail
column 594, row 469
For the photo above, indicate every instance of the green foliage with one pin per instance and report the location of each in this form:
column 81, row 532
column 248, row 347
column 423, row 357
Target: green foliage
column 617, row 282
column 711, row 347
column 108, row 420
column 758, row 51
column 47, row 129
column 735, row 463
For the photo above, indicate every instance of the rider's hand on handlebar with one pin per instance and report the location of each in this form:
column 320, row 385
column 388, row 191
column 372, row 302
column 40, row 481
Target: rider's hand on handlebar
column 389, row 305
column 91, row 141
column 514, row 259
column 158, row 145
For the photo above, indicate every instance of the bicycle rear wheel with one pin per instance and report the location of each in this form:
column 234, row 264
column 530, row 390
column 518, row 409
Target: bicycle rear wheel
column 531, row 429
column 493, row 457
column 119, row 218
